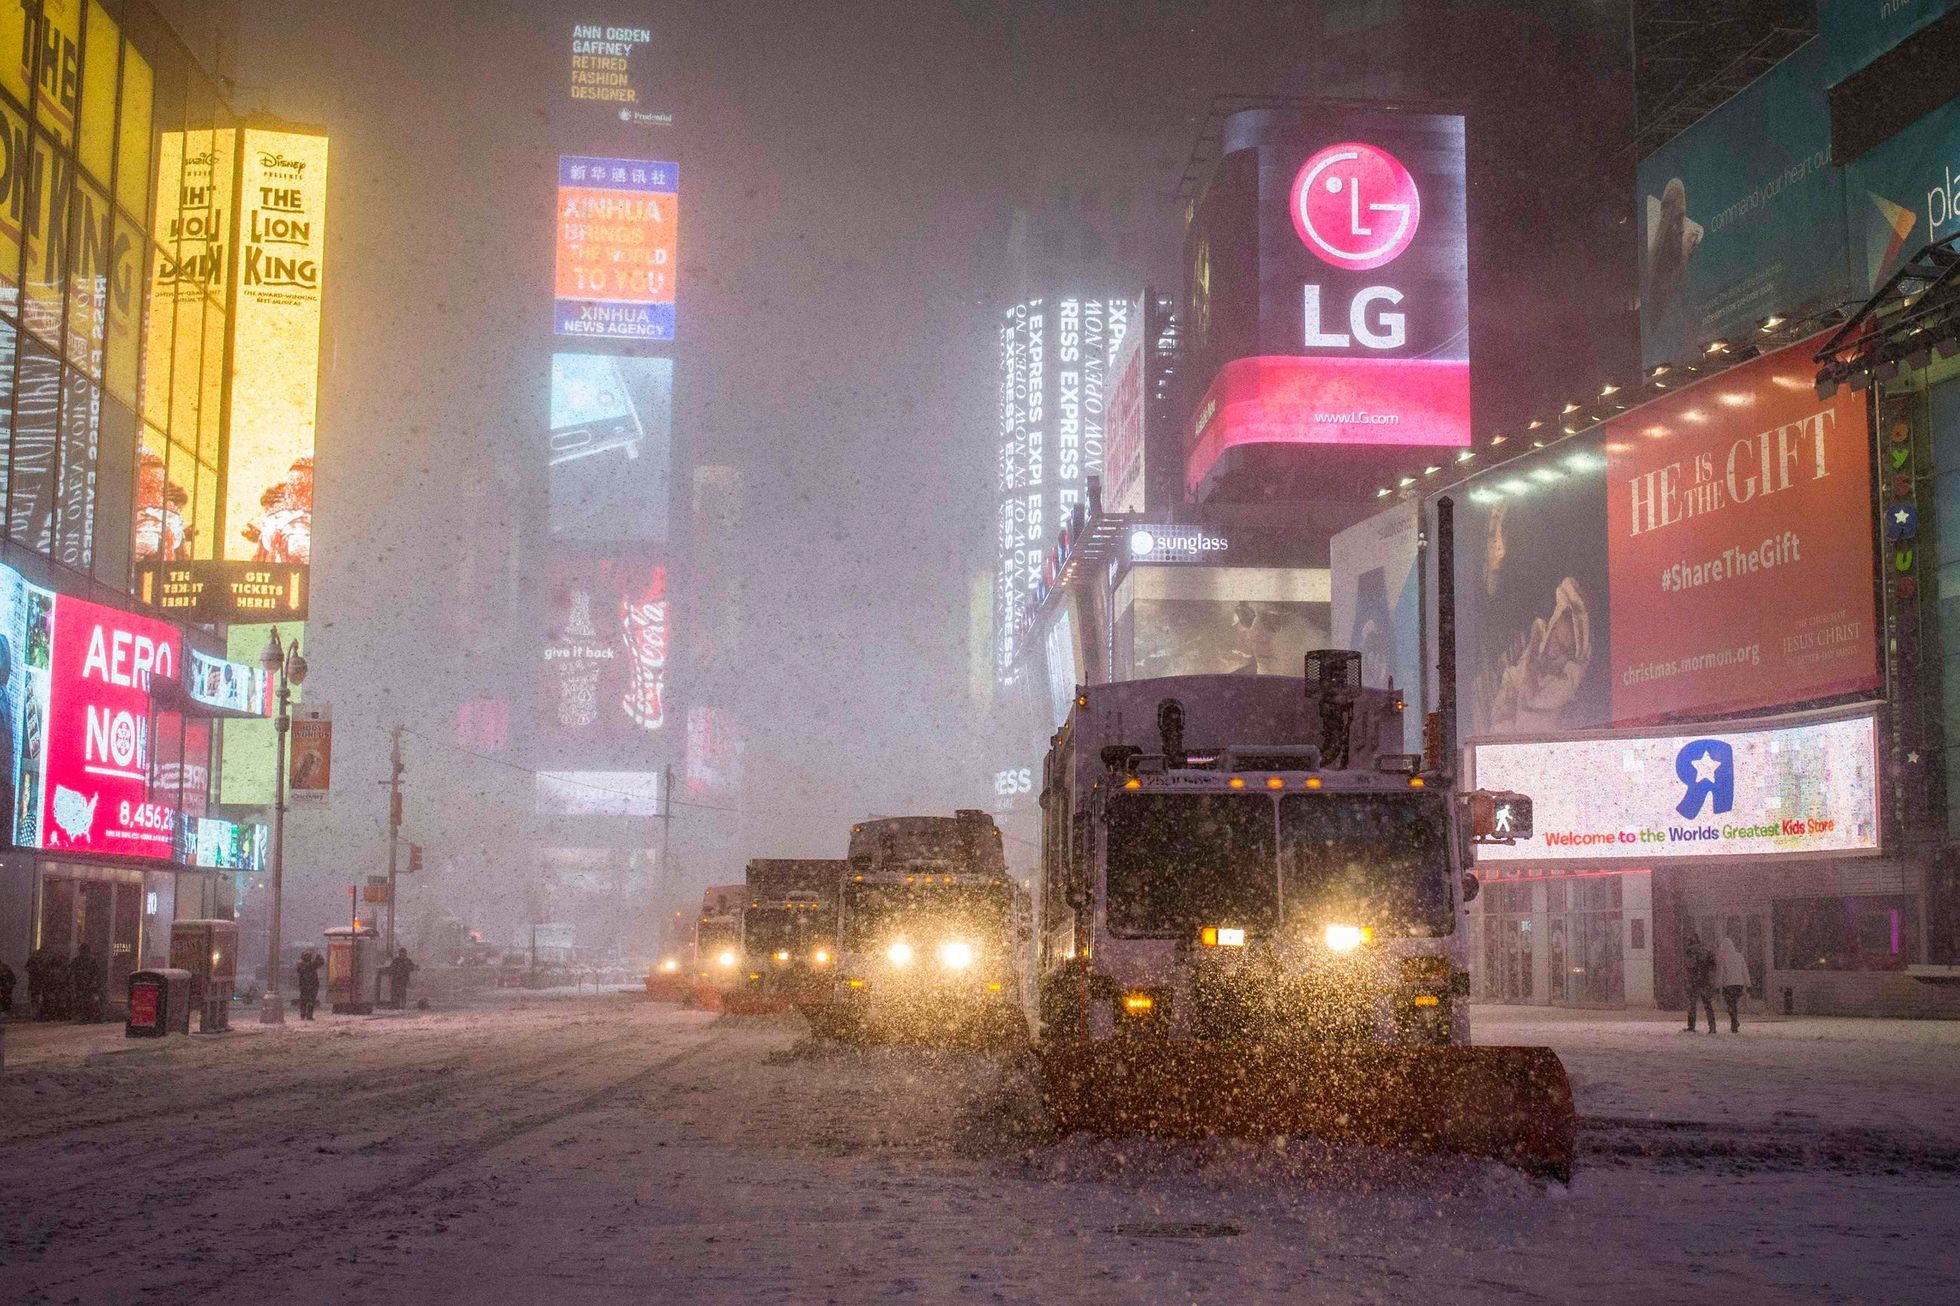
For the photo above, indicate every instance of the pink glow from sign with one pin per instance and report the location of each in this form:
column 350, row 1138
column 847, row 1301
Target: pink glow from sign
column 1355, row 206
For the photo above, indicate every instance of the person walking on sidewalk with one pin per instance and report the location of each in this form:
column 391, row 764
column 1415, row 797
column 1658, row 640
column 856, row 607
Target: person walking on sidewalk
column 6, row 987
column 85, row 987
column 1732, row 977
column 310, row 965
column 1701, row 980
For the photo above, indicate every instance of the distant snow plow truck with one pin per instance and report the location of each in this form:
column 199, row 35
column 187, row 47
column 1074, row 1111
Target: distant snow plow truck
column 1253, row 923
column 931, row 933
column 718, row 943
column 789, row 935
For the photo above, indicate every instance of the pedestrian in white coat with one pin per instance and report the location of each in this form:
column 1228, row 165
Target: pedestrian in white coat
column 1732, row 977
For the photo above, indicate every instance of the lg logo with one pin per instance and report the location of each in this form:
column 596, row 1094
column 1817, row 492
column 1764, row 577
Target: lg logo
column 1357, row 208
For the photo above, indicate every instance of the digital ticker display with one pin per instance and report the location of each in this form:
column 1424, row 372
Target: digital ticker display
column 611, row 440
column 617, row 238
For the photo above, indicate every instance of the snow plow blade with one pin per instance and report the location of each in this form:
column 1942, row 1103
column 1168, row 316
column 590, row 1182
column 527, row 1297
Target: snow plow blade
column 748, row 1002
column 1510, row 1103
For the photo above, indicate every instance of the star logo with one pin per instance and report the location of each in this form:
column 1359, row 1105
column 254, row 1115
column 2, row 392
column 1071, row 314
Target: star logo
column 1706, row 767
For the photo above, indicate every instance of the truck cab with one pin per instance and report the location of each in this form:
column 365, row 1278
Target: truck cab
column 1289, row 874
column 789, row 930
column 930, row 933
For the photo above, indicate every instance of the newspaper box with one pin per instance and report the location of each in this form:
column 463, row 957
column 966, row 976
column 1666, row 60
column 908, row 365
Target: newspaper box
column 209, row 951
column 159, row 1002
column 351, row 969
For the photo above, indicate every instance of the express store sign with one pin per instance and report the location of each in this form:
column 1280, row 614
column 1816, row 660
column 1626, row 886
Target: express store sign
column 1358, row 332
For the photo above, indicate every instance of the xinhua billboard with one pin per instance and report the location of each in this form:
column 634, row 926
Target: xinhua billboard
column 1353, row 327
column 617, row 229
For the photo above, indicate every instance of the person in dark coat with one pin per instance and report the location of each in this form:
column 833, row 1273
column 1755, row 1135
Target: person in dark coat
column 401, row 968
column 47, row 983
column 6, row 987
column 1701, row 979
column 311, row 964
column 85, row 986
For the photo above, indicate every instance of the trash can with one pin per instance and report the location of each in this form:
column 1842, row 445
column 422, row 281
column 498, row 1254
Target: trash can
column 208, row 949
column 159, row 1003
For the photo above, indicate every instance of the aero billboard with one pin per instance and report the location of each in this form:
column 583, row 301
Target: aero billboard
column 617, row 224
column 1708, row 553
column 1810, row 788
column 1360, row 327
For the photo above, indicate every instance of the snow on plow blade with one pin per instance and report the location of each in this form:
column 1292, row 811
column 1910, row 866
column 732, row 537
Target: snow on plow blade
column 1511, row 1103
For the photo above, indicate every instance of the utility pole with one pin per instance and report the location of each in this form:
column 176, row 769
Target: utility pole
column 395, row 770
column 666, row 825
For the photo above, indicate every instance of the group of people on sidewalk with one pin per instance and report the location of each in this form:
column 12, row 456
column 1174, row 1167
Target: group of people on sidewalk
column 311, row 964
column 1723, row 968
column 58, row 987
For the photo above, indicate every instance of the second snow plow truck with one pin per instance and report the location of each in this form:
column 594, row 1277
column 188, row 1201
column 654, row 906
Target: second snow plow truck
column 789, row 935
column 930, row 934
column 1253, row 923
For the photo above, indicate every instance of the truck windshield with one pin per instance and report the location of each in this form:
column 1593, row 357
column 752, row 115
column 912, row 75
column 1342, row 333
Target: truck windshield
column 878, row 914
column 771, row 929
column 1181, row 861
column 1377, row 860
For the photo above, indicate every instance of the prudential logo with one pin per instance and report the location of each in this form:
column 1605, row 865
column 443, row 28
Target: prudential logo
column 1707, row 768
column 1355, row 206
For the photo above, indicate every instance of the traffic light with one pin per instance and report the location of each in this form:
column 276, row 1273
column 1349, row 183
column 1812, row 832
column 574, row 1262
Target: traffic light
column 415, row 857
column 1499, row 816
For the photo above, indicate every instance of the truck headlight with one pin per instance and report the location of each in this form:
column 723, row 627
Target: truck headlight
column 899, row 954
column 955, row 955
column 820, row 957
column 727, row 960
column 782, row 954
column 670, row 966
column 1346, row 938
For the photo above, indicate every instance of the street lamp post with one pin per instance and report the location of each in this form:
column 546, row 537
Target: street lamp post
column 290, row 668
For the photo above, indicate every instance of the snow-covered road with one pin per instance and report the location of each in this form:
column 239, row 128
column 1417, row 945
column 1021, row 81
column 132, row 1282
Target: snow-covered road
column 611, row 1149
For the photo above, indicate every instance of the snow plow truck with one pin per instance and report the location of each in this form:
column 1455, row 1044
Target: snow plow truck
column 930, row 935
column 789, row 935
column 1253, row 923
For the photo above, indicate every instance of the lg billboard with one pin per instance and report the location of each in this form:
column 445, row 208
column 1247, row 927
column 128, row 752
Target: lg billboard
column 1355, row 328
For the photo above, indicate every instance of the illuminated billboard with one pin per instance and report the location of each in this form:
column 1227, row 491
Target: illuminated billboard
column 617, row 230
column 1055, row 357
column 275, row 347
column 1708, row 553
column 714, row 754
column 605, row 657
column 78, row 727
column 1123, row 486
column 222, row 845
column 229, row 686
column 1770, row 791
column 611, row 443
column 1357, row 331
column 613, row 70
column 598, row 793
column 1377, row 605
column 1219, row 620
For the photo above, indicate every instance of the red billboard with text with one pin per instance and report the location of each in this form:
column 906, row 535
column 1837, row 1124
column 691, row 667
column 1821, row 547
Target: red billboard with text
column 98, row 797
column 1362, row 330
column 1740, row 519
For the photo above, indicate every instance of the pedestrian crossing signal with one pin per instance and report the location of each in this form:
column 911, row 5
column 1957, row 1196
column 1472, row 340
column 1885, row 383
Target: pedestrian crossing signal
column 1499, row 816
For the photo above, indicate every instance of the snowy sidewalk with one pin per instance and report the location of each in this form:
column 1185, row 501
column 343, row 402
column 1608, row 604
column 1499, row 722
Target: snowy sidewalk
column 1799, row 1073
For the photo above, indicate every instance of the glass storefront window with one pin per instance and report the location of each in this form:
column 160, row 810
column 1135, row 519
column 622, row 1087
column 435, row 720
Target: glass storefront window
column 14, row 124
column 46, row 271
column 81, row 406
column 91, row 260
column 31, row 496
column 57, row 73
column 115, row 477
column 134, row 118
column 101, row 52
column 1863, row 932
column 122, row 333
